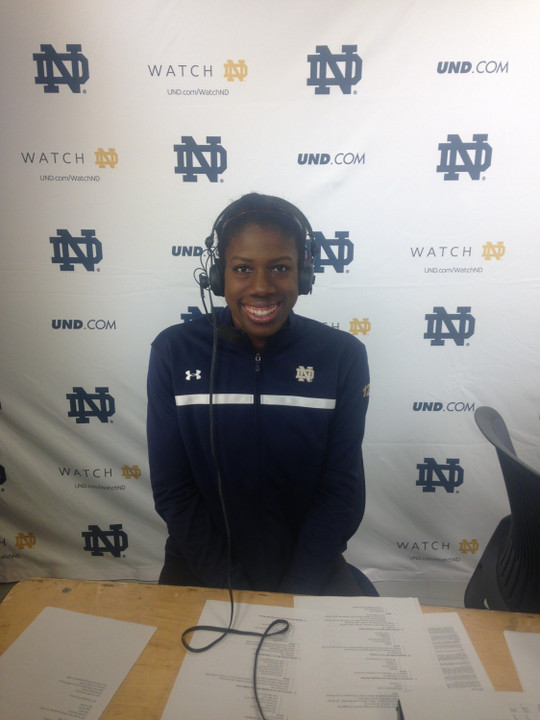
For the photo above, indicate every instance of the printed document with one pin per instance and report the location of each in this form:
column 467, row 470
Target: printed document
column 461, row 667
column 218, row 683
column 467, row 705
column 341, row 658
column 360, row 654
column 67, row 665
column 525, row 650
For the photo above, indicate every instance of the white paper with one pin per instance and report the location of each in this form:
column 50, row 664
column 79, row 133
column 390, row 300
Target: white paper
column 342, row 658
column 360, row 655
column 467, row 705
column 67, row 665
column 218, row 683
column 525, row 650
column 461, row 667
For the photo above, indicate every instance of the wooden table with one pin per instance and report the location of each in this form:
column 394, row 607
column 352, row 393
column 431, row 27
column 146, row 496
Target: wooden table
column 145, row 690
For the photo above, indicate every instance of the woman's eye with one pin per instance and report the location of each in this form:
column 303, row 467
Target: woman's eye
column 241, row 268
column 281, row 268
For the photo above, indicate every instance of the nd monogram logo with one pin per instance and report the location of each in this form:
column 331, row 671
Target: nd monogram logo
column 490, row 251
column 55, row 69
column 98, row 541
column 345, row 69
column 432, row 475
column 339, row 252
column 83, row 405
column 305, row 374
column 475, row 157
column 459, row 326
column 359, row 326
column 106, row 158
column 468, row 546
column 194, row 160
column 22, row 541
column 131, row 471
column 70, row 251
column 235, row 71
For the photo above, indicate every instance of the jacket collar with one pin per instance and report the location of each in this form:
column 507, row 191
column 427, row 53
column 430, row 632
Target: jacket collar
column 224, row 319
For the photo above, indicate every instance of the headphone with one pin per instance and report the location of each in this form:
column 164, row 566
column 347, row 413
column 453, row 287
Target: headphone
column 267, row 208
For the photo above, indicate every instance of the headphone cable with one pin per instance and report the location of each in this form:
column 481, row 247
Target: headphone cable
column 277, row 626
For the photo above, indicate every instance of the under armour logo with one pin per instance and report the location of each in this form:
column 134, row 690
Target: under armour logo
column 69, row 251
column 334, row 69
column 235, row 71
column 194, row 160
column 55, row 69
column 475, row 157
column 98, row 542
column 336, row 252
column 432, row 475
column 83, row 405
column 305, row 374
column 195, row 374
column 459, row 326
column 106, row 158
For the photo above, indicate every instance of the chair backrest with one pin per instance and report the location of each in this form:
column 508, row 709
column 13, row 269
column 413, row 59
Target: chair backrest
column 518, row 562
column 494, row 429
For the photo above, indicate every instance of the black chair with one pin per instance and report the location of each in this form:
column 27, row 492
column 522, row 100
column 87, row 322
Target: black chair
column 366, row 586
column 507, row 576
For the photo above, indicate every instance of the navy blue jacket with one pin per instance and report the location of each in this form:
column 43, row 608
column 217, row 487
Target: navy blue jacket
column 288, row 424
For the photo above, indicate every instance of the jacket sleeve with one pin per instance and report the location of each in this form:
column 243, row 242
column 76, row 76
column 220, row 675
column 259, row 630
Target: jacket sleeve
column 339, row 502
column 178, row 500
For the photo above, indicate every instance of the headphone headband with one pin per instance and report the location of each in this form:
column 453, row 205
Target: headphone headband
column 261, row 210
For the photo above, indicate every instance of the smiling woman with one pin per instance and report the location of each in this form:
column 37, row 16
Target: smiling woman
column 261, row 281
column 256, row 419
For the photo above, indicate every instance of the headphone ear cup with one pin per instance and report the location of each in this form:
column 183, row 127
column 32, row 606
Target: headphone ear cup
column 306, row 278
column 216, row 276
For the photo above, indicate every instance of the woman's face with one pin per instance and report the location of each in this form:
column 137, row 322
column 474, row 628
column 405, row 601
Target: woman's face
column 261, row 280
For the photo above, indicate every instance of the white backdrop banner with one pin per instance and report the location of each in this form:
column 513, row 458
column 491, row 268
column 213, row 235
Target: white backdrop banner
column 407, row 131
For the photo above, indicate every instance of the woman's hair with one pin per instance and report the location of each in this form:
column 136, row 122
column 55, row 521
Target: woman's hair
column 264, row 211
